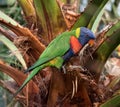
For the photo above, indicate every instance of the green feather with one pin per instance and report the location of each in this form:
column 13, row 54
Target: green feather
column 51, row 56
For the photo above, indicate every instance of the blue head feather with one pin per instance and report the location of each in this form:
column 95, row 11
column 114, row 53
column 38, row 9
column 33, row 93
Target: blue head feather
column 85, row 35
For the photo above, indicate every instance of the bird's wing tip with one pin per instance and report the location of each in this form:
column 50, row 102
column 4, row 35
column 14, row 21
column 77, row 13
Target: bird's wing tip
column 27, row 70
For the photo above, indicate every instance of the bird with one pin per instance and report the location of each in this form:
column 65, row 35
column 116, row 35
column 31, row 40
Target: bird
column 60, row 49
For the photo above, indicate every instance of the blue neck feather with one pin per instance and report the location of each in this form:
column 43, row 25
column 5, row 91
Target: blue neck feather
column 68, row 55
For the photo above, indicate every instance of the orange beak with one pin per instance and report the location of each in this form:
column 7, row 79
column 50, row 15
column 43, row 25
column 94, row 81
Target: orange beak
column 91, row 42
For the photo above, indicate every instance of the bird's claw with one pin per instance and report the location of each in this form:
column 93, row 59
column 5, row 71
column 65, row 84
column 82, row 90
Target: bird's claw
column 64, row 70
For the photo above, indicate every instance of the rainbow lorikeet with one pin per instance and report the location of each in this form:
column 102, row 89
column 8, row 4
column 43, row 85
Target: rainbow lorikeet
column 63, row 47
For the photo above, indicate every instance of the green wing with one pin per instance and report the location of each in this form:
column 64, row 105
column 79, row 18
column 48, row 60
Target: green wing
column 58, row 47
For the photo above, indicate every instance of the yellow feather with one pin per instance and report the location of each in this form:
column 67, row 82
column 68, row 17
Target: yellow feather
column 77, row 32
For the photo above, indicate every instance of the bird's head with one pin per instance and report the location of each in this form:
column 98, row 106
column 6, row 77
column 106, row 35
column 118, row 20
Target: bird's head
column 85, row 36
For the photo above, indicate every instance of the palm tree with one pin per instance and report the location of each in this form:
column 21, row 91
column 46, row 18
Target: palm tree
column 45, row 20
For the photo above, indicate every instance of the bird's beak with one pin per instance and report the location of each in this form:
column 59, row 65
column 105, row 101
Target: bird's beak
column 91, row 42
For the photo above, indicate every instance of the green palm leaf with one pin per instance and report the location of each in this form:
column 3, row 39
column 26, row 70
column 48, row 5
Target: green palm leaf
column 13, row 49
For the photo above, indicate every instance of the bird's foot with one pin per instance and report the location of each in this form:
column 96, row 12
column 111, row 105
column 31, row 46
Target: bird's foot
column 64, row 70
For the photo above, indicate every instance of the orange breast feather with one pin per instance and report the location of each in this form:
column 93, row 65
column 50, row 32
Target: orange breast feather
column 75, row 45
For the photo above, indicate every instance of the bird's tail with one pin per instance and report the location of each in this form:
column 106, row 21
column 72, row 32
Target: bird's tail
column 32, row 74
